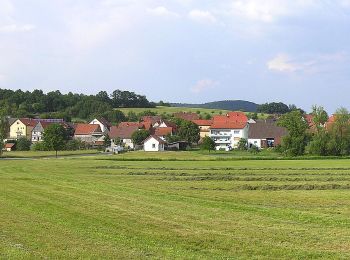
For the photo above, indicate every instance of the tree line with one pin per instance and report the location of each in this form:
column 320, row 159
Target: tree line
column 323, row 139
column 55, row 104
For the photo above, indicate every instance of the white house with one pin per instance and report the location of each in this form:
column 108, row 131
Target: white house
column 103, row 123
column 153, row 144
column 227, row 135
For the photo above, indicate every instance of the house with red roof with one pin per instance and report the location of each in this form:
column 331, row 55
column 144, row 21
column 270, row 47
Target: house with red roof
column 22, row 127
column 162, row 132
column 227, row 134
column 90, row 134
column 9, row 147
column 124, row 132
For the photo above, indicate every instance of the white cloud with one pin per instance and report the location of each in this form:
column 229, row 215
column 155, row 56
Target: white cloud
column 307, row 64
column 283, row 63
column 162, row 11
column 203, row 85
column 269, row 10
column 202, row 16
column 16, row 28
column 2, row 77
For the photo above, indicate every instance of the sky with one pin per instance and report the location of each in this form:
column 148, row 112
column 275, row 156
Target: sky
column 193, row 51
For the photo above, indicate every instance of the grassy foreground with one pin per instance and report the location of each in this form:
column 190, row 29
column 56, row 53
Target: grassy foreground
column 94, row 208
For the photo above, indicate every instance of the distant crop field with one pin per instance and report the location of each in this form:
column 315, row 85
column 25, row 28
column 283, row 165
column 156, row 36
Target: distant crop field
column 170, row 110
column 101, row 207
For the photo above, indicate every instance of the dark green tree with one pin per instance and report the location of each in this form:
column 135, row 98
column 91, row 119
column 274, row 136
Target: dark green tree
column 139, row 136
column 208, row 144
column 55, row 138
column 295, row 142
column 243, row 144
column 188, row 131
column 23, row 144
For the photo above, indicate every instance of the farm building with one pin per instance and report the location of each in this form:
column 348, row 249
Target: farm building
column 265, row 135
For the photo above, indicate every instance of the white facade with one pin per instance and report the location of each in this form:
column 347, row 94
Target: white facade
column 227, row 139
column 153, row 145
column 255, row 142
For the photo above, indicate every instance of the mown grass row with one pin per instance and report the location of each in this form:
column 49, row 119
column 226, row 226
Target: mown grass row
column 87, row 208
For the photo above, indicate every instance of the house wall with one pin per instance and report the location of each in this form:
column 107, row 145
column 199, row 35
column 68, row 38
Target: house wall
column 204, row 130
column 18, row 130
column 37, row 133
column 86, row 138
column 152, row 145
column 128, row 143
column 256, row 142
column 228, row 138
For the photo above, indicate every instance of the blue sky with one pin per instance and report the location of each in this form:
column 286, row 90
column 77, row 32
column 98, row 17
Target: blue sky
column 294, row 51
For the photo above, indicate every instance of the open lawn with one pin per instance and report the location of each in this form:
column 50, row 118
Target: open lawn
column 245, row 209
column 34, row 154
column 170, row 110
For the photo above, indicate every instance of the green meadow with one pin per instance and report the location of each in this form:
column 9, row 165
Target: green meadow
column 105, row 207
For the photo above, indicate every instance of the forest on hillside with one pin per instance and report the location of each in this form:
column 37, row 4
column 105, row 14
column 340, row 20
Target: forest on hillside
column 55, row 104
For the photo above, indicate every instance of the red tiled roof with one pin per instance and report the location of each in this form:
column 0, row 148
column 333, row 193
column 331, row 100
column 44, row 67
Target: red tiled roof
column 228, row 125
column 9, row 145
column 146, row 125
column 123, row 131
column 127, row 124
column 87, row 129
column 151, row 119
column 155, row 137
column 233, row 117
column 29, row 121
column 203, row 122
column 163, row 131
column 169, row 124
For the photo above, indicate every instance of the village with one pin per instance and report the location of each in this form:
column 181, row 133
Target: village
column 225, row 130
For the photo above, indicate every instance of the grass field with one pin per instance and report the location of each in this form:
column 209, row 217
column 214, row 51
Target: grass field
column 95, row 208
column 170, row 110
column 34, row 154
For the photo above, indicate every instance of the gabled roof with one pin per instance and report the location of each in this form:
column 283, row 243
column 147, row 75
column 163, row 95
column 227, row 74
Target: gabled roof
column 262, row 130
column 127, row 124
column 227, row 125
column 146, row 125
column 163, row 131
column 201, row 122
column 151, row 119
column 87, row 129
column 169, row 124
column 9, row 145
column 28, row 121
column 156, row 138
column 233, row 117
column 103, row 121
column 123, row 131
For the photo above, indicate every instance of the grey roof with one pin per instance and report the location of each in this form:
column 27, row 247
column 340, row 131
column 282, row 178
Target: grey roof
column 261, row 130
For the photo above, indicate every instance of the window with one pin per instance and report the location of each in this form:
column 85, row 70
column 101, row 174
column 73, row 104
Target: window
column 153, row 145
column 236, row 132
